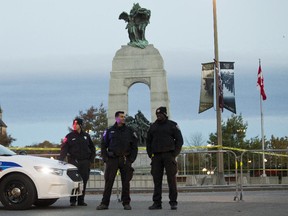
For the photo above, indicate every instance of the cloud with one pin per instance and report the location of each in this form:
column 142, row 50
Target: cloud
column 56, row 58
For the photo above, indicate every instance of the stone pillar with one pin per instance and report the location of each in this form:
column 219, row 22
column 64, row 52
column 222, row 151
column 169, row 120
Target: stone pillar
column 134, row 65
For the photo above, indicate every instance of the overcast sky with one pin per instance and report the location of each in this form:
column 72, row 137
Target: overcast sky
column 56, row 58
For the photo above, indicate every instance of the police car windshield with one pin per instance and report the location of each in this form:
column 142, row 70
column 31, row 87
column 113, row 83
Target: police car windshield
column 5, row 151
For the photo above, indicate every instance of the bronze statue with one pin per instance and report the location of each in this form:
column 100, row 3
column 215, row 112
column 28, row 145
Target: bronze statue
column 137, row 21
column 140, row 125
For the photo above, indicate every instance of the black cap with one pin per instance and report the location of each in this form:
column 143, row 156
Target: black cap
column 79, row 121
column 162, row 110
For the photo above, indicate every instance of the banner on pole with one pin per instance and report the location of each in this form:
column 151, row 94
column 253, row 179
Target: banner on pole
column 207, row 87
column 228, row 87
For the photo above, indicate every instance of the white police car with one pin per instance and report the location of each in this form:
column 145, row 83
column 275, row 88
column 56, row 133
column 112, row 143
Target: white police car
column 28, row 180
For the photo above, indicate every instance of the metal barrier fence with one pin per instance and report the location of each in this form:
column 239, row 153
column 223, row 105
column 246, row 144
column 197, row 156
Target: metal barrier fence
column 268, row 167
column 199, row 169
column 195, row 168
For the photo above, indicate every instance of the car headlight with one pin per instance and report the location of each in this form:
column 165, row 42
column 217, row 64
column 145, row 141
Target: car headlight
column 49, row 170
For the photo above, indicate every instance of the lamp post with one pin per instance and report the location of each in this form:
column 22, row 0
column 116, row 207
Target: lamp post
column 220, row 165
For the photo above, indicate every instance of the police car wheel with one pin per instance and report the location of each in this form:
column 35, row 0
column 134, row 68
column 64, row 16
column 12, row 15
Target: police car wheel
column 17, row 192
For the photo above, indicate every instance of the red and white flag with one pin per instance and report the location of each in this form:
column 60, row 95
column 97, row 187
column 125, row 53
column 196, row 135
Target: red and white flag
column 260, row 83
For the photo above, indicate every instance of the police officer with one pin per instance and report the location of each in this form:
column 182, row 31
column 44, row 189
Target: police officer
column 80, row 151
column 118, row 150
column 164, row 143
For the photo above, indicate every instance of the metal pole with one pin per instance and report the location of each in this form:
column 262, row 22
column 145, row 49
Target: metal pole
column 262, row 136
column 184, row 164
column 262, row 131
column 117, row 185
column 220, row 166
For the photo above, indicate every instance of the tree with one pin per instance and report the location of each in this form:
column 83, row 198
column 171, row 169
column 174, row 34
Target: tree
column 45, row 144
column 95, row 122
column 279, row 143
column 233, row 133
column 196, row 139
column 254, row 143
column 6, row 139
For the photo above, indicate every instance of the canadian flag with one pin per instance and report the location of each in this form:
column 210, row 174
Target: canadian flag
column 260, row 83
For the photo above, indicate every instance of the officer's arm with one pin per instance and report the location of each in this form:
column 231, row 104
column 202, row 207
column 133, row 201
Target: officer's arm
column 178, row 140
column 92, row 148
column 134, row 147
column 104, row 145
column 148, row 144
column 64, row 149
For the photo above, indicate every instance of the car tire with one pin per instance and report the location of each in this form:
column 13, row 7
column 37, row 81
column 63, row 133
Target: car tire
column 17, row 192
column 45, row 202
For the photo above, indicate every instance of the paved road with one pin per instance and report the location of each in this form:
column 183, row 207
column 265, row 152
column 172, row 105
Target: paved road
column 255, row 203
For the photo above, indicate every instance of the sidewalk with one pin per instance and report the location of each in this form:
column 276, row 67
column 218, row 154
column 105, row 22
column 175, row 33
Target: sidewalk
column 255, row 203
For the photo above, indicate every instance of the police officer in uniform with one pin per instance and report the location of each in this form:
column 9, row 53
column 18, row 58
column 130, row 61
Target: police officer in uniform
column 80, row 151
column 164, row 143
column 118, row 150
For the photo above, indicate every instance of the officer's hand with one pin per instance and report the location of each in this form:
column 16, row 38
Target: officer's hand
column 174, row 154
column 105, row 159
column 92, row 159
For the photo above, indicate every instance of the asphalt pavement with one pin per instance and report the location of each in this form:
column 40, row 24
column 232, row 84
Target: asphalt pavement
column 254, row 203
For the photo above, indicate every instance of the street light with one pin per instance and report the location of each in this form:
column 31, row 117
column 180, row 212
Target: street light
column 248, row 166
column 204, row 170
column 220, row 174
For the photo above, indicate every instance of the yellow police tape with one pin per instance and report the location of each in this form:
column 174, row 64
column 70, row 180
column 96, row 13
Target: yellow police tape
column 212, row 147
column 33, row 149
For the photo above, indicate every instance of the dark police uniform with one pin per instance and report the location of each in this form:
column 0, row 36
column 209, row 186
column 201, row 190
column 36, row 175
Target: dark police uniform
column 119, row 150
column 80, row 151
column 164, row 143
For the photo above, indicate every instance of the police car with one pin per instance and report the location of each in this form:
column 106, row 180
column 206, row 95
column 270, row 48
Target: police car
column 29, row 180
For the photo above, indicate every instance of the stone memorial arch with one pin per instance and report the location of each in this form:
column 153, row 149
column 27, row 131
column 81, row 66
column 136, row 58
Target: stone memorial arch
column 133, row 65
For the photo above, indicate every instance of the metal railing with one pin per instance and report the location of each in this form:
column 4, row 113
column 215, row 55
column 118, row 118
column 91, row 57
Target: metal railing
column 198, row 168
column 273, row 172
